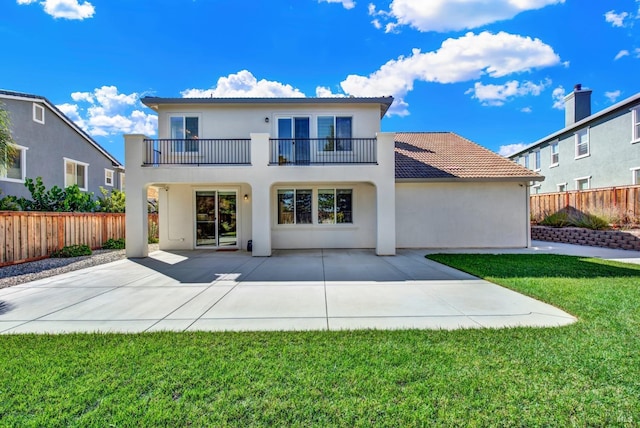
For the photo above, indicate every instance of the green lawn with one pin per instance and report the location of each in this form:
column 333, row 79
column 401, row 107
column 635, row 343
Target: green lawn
column 586, row 374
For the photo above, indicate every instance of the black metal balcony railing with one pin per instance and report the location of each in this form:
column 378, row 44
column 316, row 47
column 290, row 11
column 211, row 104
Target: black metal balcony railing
column 197, row 152
column 322, row 151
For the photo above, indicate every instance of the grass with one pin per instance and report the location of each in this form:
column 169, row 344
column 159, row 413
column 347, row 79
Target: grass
column 586, row 374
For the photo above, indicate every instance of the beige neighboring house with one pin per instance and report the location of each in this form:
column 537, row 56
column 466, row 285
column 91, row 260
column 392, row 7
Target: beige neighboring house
column 294, row 173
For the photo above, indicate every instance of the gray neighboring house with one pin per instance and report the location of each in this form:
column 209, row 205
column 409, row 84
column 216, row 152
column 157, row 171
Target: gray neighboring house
column 52, row 146
column 591, row 151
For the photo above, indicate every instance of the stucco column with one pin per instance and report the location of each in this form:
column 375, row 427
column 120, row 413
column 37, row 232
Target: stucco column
column 386, row 196
column 136, row 217
column 260, row 195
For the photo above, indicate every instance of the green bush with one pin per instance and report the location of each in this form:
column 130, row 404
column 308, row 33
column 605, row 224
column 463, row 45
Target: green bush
column 575, row 218
column 557, row 219
column 113, row 244
column 72, row 251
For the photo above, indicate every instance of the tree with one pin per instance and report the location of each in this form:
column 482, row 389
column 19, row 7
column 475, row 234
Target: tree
column 7, row 150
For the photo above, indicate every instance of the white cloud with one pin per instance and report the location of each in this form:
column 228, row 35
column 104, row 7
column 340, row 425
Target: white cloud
column 347, row 4
column 509, row 149
column 615, row 19
column 612, row 96
column 497, row 95
column 105, row 112
column 67, row 9
column 466, row 58
column 636, row 51
column 243, row 84
column 324, row 92
column 621, row 54
column 558, row 95
column 526, row 110
column 454, row 15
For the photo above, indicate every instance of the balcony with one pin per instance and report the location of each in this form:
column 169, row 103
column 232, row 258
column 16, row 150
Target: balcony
column 197, row 152
column 322, row 151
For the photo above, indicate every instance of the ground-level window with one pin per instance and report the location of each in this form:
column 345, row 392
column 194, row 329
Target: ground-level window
column 635, row 175
column 75, row 173
column 16, row 166
column 562, row 187
column 294, row 206
column 536, row 188
column 583, row 183
column 335, row 206
column 38, row 113
column 108, row 177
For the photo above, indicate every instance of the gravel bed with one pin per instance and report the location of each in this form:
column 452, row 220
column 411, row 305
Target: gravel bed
column 31, row 271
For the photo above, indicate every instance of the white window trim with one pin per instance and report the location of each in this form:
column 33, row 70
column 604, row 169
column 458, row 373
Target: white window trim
column 635, row 122
column 588, row 178
column 575, row 143
column 107, row 173
column 566, row 187
column 553, row 165
column 38, row 108
column 86, row 173
column 537, row 157
column 23, row 166
column 633, row 174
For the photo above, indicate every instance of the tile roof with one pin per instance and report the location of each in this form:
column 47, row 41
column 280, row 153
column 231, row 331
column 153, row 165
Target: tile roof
column 445, row 156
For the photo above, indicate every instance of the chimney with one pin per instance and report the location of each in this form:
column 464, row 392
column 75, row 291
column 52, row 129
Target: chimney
column 577, row 105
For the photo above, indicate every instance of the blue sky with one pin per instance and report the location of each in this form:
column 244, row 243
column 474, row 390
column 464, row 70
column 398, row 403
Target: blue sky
column 494, row 72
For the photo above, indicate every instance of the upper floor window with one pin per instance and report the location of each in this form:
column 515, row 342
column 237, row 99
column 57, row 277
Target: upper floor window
column 336, row 131
column 526, row 160
column 122, row 181
column 184, row 128
column 536, row 160
column 582, row 143
column 635, row 120
column 38, row 113
column 16, row 168
column 555, row 154
column 108, row 177
column 75, row 173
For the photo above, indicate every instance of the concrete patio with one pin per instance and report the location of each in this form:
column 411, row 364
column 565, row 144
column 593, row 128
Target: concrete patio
column 292, row 290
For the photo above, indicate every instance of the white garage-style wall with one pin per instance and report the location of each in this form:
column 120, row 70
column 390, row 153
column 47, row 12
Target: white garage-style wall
column 462, row 215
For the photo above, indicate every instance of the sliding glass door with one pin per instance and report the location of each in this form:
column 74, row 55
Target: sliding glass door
column 215, row 222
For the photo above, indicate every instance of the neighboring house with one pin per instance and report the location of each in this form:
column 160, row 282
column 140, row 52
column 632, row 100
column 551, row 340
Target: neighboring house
column 591, row 151
column 290, row 173
column 52, row 146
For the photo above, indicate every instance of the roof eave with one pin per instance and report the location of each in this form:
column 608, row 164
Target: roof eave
column 469, row 179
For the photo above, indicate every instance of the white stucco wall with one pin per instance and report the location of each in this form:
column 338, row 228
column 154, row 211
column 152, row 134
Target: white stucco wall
column 462, row 215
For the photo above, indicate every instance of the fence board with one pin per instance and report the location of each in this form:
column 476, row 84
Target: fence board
column 616, row 203
column 26, row 236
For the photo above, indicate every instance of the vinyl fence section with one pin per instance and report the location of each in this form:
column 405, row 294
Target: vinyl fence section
column 27, row 236
column 621, row 203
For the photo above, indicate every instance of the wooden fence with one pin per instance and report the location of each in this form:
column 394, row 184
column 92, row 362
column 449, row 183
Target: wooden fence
column 617, row 203
column 27, row 235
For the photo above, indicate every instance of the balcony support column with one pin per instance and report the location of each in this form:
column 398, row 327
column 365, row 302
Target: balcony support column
column 386, row 196
column 260, row 195
column 136, row 217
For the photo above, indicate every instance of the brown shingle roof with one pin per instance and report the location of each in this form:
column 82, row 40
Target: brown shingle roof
column 448, row 156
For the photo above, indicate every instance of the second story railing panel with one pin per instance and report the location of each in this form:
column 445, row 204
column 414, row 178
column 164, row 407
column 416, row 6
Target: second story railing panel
column 322, row 151
column 197, row 152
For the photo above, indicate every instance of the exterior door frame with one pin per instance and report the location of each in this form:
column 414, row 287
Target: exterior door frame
column 217, row 190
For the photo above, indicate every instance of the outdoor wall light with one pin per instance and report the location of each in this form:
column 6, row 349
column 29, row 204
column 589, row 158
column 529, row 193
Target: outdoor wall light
column 246, row 197
column 266, row 120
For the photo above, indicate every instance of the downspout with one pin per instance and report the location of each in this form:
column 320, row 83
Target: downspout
column 528, row 214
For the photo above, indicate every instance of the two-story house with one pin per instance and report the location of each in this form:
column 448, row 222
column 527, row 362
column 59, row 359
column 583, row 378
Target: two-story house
column 591, row 151
column 293, row 173
column 52, row 146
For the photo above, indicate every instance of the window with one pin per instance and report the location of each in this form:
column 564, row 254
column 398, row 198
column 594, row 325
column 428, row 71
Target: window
column 335, row 206
column 583, row 183
column 635, row 175
column 555, row 154
column 122, row 181
column 184, row 128
column 635, row 120
column 38, row 113
column 582, row 143
column 536, row 160
column 294, row 206
column 336, row 131
column 536, row 188
column 526, row 160
column 75, row 173
column 108, row 177
column 16, row 167
column 562, row 187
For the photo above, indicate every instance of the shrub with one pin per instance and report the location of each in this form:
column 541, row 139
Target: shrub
column 72, row 251
column 113, row 244
column 557, row 219
column 575, row 218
